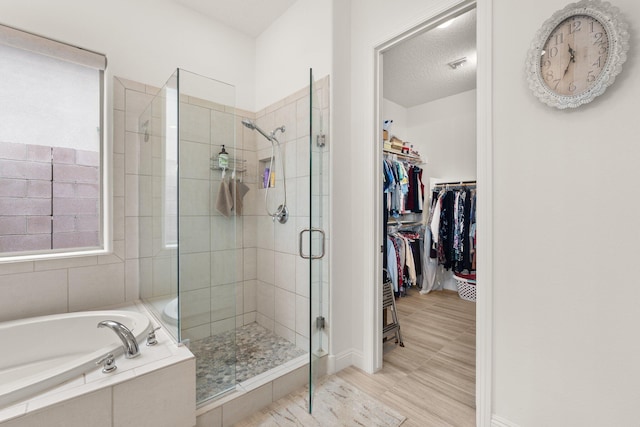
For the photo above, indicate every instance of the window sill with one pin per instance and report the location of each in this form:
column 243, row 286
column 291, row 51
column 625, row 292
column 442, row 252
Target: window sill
column 54, row 255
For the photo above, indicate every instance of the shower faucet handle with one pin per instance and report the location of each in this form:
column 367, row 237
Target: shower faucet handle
column 108, row 363
column 151, row 338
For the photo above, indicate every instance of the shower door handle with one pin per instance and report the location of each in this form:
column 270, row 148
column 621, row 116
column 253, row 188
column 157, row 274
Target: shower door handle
column 311, row 231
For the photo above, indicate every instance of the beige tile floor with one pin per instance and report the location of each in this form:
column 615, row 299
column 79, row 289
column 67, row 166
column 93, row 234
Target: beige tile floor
column 431, row 380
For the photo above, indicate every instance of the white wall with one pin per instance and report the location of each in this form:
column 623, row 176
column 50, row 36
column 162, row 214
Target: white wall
column 144, row 40
column 397, row 113
column 372, row 23
column 444, row 133
column 565, row 230
column 300, row 39
column 563, row 338
column 342, row 296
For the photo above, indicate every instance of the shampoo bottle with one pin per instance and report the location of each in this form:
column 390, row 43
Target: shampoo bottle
column 223, row 159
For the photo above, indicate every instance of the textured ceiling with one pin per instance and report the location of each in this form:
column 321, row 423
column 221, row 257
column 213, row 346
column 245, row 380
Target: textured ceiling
column 251, row 17
column 416, row 71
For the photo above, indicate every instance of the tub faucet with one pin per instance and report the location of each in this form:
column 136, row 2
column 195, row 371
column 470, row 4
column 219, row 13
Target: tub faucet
column 129, row 342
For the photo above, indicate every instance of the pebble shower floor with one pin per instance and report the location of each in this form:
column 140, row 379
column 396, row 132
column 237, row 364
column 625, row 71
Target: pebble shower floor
column 257, row 350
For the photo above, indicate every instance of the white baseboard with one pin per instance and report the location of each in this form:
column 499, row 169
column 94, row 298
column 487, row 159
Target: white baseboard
column 497, row 421
column 338, row 362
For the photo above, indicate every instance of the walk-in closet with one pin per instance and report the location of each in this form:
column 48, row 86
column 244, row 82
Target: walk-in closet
column 429, row 199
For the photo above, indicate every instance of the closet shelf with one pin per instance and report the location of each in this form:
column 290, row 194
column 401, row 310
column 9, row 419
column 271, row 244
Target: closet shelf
column 408, row 157
column 404, row 222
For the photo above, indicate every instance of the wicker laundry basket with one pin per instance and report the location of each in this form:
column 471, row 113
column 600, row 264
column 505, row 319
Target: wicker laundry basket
column 466, row 286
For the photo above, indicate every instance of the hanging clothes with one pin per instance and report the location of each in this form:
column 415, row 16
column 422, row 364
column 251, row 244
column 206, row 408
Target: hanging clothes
column 402, row 186
column 416, row 190
column 405, row 260
column 452, row 226
column 429, row 265
column 392, row 262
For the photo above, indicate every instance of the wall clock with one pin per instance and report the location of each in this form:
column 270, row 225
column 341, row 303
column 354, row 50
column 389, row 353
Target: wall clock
column 577, row 54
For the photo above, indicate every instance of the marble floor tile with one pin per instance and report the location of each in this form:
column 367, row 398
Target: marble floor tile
column 225, row 359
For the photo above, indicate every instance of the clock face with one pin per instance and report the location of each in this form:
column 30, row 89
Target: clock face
column 574, row 55
column 577, row 53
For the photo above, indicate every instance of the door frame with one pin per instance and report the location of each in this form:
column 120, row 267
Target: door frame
column 484, row 295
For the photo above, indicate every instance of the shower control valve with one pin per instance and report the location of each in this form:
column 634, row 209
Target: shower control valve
column 151, row 338
column 108, row 363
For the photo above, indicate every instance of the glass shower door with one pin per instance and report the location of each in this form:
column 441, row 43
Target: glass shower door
column 318, row 202
column 208, row 247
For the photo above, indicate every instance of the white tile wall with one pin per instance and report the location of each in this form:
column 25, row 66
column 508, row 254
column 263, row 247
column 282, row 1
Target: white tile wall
column 223, row 129
column 266, row 266
column 285, row 237
column 302, row 315
column 197, row 332
column 196, row 270
column 284, row 332
column 223, row 301
column 192, row 153
column 33, row 294
column 224, row 267
column 96, row 286
column 285, row 271
column 224, row 232
column 161, row 276
column 152, row 399
column 195, row 307
column 94, row 406
column 264, row 229
column 223, row 325
column 285, row 308
column 302, row 277
column 250, row 263
column 195, row 124
column 212, row 418
column 286, row 116
column 294, row 380
column 194, row 234
column 249, row 403
column 266, row 299
column 250, row 298
column 145, row 230
column 290, row 272
column 302, row 153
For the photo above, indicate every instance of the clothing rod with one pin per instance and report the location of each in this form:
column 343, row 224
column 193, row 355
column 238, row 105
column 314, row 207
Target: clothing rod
column 458, row 183
column 403, row 157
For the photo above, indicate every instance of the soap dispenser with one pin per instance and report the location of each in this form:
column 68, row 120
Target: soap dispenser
column 223, row 159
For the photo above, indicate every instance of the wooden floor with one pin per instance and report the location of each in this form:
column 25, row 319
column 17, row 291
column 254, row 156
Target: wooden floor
column 431, row 380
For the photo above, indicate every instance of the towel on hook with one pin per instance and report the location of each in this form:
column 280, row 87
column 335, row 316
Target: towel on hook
column 238, row 189
column 224, row 202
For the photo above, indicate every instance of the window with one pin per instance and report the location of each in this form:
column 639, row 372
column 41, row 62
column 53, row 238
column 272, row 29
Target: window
column 51, row 145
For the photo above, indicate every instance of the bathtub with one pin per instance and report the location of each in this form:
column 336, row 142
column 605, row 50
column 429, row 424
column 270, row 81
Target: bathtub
column 41, row 352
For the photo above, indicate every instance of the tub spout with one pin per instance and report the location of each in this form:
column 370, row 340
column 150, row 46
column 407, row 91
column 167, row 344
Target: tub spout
column 128, row 339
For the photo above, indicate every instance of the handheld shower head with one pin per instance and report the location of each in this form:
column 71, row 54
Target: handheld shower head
column 282, row 213
column 251, row 125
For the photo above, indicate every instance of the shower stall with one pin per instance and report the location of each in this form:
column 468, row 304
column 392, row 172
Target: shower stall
column 232, row 227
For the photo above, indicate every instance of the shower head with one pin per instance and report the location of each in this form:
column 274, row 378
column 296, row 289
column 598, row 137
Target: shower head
column 251, row 125
column 248, row 123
